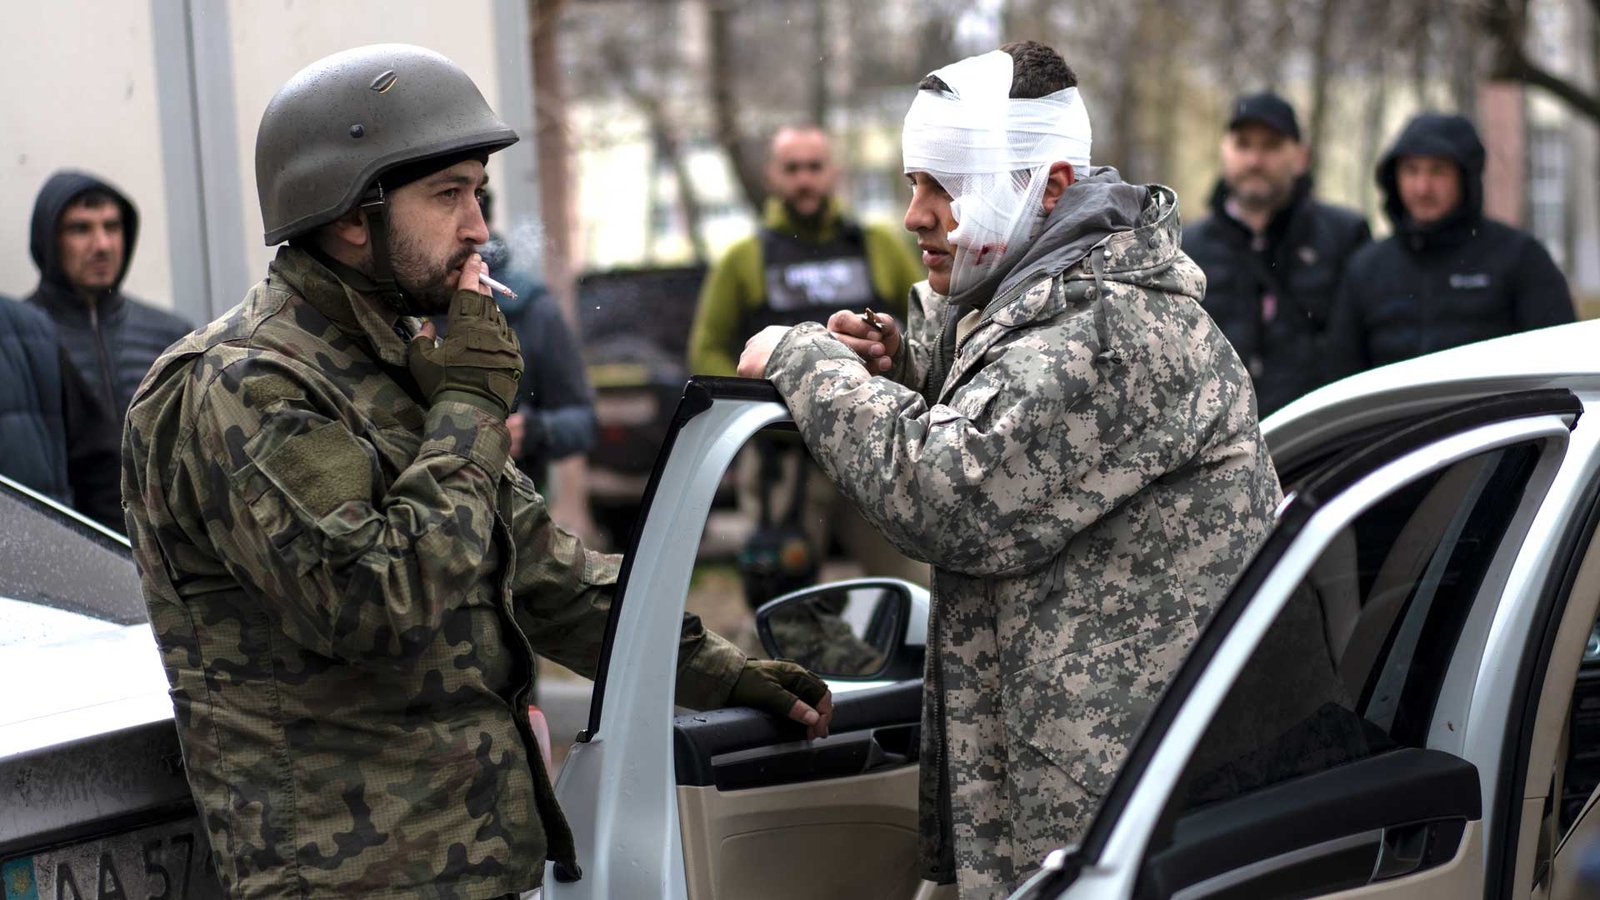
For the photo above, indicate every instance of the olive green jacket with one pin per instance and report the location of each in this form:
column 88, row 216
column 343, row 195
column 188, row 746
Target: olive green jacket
column 348, row 589
column 737, row 284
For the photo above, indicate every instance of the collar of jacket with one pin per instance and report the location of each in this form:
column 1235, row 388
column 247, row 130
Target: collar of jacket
column 1278, row 226
column 73, row 306
column 348, row 299
column 1141, row 256
column 775, row 217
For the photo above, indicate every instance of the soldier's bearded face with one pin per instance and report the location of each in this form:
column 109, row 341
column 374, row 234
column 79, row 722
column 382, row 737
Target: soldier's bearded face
column 930, row 218
column 1260, row 165
column 435, row 225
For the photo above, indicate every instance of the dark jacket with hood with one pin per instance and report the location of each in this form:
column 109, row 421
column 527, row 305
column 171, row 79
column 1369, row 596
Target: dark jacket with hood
column 1274, row 298
column 56, row 438
column 1462, row 279
column 111, row 338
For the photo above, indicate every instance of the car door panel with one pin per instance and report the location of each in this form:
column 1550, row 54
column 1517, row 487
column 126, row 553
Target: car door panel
column 745, row 806
column 766, row 813
column 1321, row 833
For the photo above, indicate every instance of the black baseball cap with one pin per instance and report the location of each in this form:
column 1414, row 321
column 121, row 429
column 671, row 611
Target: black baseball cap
column 1268, row 109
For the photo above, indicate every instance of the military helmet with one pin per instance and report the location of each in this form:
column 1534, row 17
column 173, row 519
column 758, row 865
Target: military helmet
column 344, row 120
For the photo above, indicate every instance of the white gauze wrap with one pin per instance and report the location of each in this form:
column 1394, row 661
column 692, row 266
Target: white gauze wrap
column 992, row 155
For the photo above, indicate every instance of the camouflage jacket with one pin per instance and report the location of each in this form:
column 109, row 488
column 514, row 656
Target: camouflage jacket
column 348, row 589
column 1087, row 484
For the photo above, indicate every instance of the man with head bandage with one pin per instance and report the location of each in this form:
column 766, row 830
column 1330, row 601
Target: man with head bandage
column 1064, row 434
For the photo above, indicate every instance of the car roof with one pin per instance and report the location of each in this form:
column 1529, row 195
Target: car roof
column 1560, row 357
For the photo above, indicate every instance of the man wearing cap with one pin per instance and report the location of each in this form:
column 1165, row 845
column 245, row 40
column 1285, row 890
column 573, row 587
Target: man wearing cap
column 1066, row 437
column 1273, row 256
column 346, row 575
column 1448, row 275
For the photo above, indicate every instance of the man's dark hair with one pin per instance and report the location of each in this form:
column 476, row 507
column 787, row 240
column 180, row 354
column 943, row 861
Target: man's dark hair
column 1036, row 71
column 94, row 198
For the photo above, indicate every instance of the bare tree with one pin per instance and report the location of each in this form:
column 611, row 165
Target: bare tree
column 555, row 166
column 647, row 99
column 1505, row 23
column 722, row 78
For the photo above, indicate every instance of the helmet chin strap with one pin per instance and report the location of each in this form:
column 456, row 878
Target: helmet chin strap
column 376, row 207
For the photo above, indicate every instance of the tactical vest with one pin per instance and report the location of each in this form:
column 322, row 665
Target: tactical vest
column 808, row 282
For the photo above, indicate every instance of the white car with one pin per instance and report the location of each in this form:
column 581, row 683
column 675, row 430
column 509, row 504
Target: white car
column 1393, row 701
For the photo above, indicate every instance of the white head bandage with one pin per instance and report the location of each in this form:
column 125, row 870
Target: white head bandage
column 992, row 155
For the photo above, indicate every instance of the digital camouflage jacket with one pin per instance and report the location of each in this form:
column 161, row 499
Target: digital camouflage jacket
column 1088, row 483
column 348, row 589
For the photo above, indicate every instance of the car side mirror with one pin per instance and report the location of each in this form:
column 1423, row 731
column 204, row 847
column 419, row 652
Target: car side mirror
column 868, row 629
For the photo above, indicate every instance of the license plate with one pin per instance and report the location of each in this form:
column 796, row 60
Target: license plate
column 162, row 862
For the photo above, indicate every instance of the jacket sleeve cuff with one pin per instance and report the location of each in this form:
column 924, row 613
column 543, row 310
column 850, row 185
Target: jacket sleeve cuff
column 795, row 356
column 706, row 678
column 461, row 429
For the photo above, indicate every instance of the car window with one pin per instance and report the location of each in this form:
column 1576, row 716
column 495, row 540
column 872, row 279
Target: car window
column 49, row 558
column 1354, row 663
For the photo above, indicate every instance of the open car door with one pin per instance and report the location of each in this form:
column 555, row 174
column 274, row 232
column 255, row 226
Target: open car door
column 1338, row 729
column 728, row 803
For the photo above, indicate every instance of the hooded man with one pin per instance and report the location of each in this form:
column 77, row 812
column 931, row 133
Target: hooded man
column 1065, row 435
column 347, row 576
column 1448, row 275
column 1272, row 254
column 84, row 232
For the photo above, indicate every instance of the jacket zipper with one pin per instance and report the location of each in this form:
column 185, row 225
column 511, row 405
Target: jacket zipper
column 105, row 357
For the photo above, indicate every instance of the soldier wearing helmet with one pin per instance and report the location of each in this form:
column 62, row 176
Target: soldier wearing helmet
column 347, row 578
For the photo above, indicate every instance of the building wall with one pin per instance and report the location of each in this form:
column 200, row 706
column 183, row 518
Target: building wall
column 61, row 111
column 80, row 92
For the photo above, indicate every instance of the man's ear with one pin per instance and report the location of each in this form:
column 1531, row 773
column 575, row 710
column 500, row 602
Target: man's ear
column 350, row 228
column 1061, row 177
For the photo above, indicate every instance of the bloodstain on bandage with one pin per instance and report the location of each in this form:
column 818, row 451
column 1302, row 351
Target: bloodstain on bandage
column 985, row 251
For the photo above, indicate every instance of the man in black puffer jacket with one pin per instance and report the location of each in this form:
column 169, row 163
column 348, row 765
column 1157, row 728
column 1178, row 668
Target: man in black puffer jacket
column 1272, row 254
column 54, row 437
column 1448, row 276
column 84, row 231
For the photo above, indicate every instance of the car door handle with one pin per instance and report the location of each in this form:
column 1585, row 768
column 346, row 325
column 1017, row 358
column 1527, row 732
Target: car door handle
column 1410, row 848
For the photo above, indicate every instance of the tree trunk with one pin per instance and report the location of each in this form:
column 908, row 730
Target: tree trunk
column 725, row 108
column 663, row 139
column 555, row 161
column 1321, row 63
column 819, row 68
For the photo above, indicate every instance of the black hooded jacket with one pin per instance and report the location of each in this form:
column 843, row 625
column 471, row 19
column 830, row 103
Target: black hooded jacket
column 1299, row 267
column 54, row 436
column 1462, row 279
column 111, row 338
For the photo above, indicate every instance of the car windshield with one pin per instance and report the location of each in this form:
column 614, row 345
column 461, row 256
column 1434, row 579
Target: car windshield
column 60, row 576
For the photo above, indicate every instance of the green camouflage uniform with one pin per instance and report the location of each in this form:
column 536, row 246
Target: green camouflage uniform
column 1088, row 483
column 348, row 589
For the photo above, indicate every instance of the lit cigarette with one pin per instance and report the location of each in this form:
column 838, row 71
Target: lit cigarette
column 496, row 286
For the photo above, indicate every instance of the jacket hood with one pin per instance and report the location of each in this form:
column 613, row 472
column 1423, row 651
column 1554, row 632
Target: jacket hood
column 54, row 198
column 1436, row 134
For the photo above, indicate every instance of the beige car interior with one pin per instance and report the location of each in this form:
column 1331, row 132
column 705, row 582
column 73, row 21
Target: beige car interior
column 836, row 838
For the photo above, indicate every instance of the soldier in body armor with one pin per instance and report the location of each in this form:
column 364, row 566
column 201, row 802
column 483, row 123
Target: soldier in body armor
column 807, row 261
